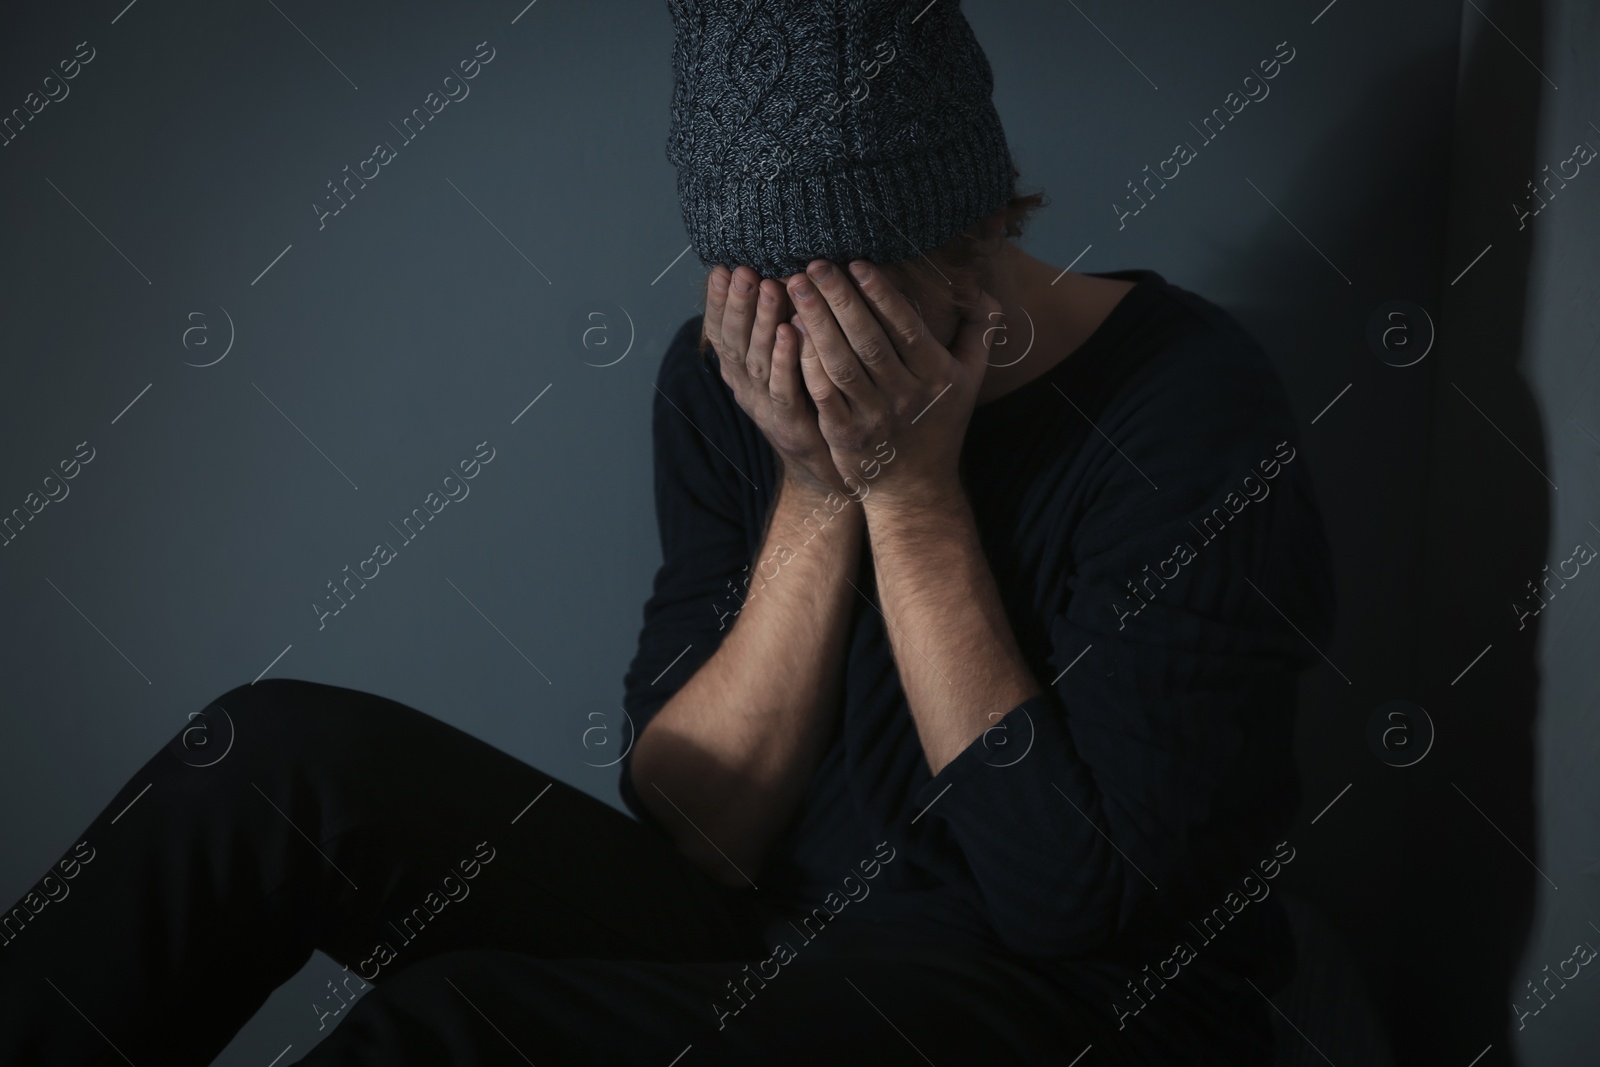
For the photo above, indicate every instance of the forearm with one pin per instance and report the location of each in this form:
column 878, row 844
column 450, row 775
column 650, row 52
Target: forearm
column 958, row 660
column 724, row 763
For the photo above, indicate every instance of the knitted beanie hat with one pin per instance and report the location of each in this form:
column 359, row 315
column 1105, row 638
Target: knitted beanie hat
column 831, row 129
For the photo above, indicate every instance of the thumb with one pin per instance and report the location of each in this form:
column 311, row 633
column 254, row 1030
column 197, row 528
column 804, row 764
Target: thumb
column 975, row 337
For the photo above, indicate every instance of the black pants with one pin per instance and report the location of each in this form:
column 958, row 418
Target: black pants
column 486, row 914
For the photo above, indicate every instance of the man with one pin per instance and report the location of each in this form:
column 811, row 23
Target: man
column 1030, row 620
column 962, row 702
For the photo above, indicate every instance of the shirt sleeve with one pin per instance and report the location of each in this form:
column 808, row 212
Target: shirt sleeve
column 1162, row 749
column 705, row 496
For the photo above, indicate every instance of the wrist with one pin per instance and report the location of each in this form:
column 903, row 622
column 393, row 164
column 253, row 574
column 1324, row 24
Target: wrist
column 795, row 488
column 800, row 483
column 801, row 499
column 917, row 502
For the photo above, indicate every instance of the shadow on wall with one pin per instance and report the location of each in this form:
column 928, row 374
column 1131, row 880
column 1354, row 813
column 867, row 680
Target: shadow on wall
column 1467, row 895
column 1435, row 521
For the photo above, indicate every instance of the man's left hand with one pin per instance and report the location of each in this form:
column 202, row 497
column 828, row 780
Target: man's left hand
column 878, row 375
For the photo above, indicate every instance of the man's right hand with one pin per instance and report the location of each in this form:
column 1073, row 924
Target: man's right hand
column 747, row 323
column 724, row 764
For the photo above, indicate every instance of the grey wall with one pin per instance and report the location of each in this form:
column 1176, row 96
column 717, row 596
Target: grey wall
column 451, row 292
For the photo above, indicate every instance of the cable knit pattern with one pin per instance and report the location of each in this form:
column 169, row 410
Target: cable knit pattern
column 835, row 129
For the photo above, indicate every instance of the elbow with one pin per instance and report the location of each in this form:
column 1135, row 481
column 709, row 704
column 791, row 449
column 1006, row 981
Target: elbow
column 686, row 799
column 725, row 857
column 735, row 871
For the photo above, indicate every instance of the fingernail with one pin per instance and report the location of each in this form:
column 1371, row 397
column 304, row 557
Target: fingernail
column 820, row 271
column 801, row 290
column 860, row 271
column 800, row 327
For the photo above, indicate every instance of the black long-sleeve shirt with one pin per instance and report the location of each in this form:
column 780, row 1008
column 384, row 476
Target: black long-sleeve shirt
column 1153, row 534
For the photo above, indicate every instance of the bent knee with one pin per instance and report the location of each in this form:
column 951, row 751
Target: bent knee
column 266, row 718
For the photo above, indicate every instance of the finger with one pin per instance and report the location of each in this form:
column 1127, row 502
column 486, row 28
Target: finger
column 824, row 337
column 716, row 298
column 860, row 326
column 784, row 384
column 740, row 312
column 832, row 407
column 769, row 312
column 918, row 350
